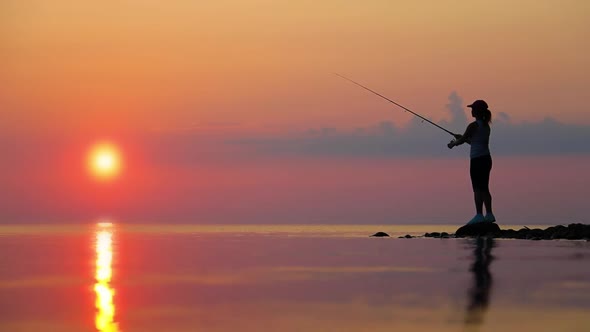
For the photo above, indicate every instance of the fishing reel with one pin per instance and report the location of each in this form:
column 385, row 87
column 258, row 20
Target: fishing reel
column 451, row 143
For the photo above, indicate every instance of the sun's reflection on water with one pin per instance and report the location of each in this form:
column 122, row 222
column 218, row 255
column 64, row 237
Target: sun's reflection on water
column 105, row 314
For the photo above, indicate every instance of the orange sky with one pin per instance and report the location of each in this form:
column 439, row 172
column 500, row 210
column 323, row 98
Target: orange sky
column 145, row 64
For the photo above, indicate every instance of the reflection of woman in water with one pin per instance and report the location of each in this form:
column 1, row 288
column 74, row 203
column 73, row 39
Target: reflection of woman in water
column 479, row 294
column 478, row 135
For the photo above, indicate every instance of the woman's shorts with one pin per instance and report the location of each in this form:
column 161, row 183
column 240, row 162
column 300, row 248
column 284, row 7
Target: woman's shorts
column 479, row 170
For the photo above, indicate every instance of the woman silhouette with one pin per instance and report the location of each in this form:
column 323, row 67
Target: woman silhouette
column 478, row 135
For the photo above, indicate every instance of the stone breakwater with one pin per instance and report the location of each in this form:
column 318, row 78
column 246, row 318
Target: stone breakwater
column 569, row 232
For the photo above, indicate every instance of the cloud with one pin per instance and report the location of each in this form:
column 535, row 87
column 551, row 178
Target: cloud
column 456, row 109
column 547, row 137
column 418, row 138
column 228, row 142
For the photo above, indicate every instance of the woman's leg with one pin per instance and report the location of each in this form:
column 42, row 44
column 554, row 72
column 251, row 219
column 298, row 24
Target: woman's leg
column 487, row 200
column 477, row 173
column 479, row 198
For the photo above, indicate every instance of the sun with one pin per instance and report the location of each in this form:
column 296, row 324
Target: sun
column 104, row 161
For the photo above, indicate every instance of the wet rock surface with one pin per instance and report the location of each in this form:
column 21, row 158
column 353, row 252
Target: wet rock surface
column 443, row 235
column 479, row 229
column 569, row 232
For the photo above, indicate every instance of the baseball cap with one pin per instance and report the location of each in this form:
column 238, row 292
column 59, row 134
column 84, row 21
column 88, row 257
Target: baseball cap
column 479, row 104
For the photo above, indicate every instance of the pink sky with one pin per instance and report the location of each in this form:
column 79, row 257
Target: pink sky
column 220, row 107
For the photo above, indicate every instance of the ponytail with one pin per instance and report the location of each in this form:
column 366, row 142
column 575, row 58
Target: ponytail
column 487, row 116
column 484, row 114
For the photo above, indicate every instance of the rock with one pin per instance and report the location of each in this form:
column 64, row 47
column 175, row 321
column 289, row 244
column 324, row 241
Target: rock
column 507, row 234
column 553, row 232
column 557, row 232
column 522, row 233
column 479, row 229
column 380, row 234
column 570, row 232
column 578, row 231
column 534, row 234
column 443, row 235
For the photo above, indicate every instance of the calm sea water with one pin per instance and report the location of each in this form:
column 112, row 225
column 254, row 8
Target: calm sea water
column 109, row 277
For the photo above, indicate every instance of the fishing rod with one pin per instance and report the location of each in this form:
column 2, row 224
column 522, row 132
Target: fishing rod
column 393, row 102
